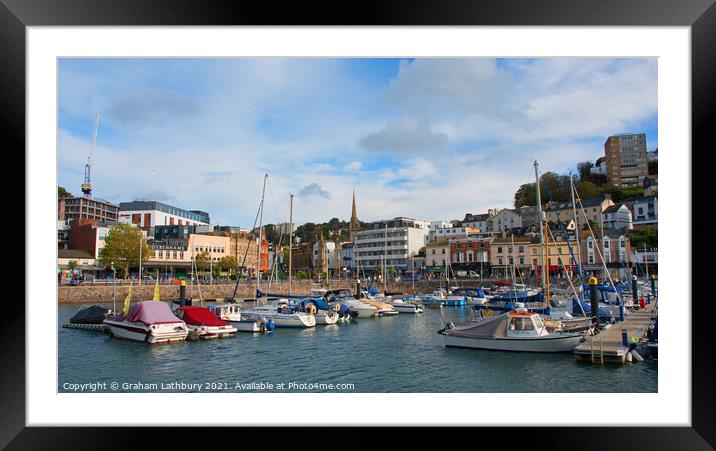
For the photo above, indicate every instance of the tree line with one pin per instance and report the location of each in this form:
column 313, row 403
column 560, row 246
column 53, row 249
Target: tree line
column 555, row 187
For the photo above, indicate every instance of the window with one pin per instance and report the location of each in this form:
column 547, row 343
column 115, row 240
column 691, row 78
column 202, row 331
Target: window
column 499, row 261
column 520, row 324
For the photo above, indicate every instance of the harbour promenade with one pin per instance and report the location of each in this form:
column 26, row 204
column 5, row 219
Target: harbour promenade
column 221, row 290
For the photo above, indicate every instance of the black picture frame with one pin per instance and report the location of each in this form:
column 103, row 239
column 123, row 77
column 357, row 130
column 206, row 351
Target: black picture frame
column 16, row 15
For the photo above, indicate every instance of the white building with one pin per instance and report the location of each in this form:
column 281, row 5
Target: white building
column 645, row 211
column 617, row 217
column 330, row 254
column 479, row 221
column 284, row 228
column 345, row 255
column 147, row 214
column 505, row 219
column 451, row 232
column 437, row 255
column 391, row 241
column 441, row 224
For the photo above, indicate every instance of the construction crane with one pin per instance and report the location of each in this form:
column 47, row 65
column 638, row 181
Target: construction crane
column 87, row 185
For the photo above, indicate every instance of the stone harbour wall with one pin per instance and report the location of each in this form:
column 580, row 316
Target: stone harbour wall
column 103, row 293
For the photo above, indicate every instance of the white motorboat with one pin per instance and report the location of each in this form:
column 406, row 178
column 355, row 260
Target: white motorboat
column 360, row 309
column 232, row 314
column 518, row 330
column 406, row 307
column 281, row 314
column 149, row 322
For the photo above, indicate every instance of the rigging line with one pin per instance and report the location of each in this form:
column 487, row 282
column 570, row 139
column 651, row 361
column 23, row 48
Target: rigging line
column 564, row 232
column 559, row 255
column 246, row 254
column 599, row 244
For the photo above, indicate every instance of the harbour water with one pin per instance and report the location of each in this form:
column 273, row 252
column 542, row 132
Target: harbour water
column 402, row 353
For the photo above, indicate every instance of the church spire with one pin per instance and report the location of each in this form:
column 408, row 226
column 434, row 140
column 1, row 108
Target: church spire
column 354, row 225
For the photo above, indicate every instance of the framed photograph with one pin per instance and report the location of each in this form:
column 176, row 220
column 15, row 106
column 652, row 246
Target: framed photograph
column 442, row 215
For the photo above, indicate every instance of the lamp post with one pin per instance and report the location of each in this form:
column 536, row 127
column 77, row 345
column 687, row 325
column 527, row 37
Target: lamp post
column 114, row 287
column 141, row 245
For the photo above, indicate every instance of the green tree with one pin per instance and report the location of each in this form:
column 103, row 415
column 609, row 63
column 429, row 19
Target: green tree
column 648, row 236
column 228, row 263
column 588, row 189
column 62, row 193
column 203, row 261
column 301, row 274
column 122, row 247
column 72, row 265
column 592, row 224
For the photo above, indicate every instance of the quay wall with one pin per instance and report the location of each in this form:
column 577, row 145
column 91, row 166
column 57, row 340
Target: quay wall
column 103, row 293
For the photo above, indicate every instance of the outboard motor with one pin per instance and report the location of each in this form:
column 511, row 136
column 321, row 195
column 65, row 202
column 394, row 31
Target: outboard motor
column 344, row 311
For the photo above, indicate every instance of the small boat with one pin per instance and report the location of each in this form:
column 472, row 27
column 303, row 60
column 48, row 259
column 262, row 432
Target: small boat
column 232, row 314
column 202, row 323
column 472, row 295
column 357, row 308
column 281, row 314
column 149, row 322
column 442, row 297
column 518, row 330
column 92, row 314
column 402, row 306
column 320, row 309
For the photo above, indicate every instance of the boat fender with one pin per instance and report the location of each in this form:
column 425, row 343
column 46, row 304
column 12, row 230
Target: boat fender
column 636, row 356
column 270, row 325
column 628, row 357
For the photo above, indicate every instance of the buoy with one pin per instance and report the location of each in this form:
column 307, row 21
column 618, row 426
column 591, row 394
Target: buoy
column 270, row 325
column 636, row 356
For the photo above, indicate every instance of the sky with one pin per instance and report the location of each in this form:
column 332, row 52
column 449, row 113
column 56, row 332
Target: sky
column 423, row 138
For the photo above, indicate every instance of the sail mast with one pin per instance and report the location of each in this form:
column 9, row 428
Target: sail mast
column 290, row 240
column 576, row 226
column 539, row 213
column 258, row 244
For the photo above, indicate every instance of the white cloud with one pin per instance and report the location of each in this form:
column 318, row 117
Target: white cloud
column 442, row 138
column 406, row 136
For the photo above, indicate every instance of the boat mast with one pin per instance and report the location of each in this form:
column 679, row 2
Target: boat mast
column 541, row 231
column 258, row 244
column 290, row 240
column 512, row 257
column 385, row 253
column 576, row 232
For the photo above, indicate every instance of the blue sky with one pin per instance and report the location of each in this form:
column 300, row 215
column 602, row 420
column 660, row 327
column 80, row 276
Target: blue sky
column 425, row 138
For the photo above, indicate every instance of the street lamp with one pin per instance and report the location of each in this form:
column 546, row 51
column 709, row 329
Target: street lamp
column 114, row 288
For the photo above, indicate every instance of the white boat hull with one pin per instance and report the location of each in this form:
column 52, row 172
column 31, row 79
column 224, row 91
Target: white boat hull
column 159, row 333
column 212, row 331
column 565, row 343
column 326, row 318
column 246, row 325
column 282, row 320
column 408, row 308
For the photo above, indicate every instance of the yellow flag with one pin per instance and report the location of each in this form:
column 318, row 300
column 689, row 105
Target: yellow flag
column 156, row 289
column 128, row 300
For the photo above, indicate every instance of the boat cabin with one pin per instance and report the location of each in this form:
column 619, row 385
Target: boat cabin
column 522, row 323
column 227, row 312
